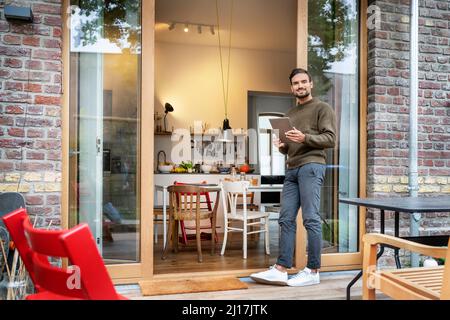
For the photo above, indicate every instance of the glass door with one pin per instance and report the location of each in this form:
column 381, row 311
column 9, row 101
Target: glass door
column 333, row 60
column 105, row 112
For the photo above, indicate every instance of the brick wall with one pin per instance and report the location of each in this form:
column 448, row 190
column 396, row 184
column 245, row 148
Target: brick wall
column 30, row 107
column 388, row 111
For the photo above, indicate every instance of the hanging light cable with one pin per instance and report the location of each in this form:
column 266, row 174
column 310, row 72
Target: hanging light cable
column 226, row 123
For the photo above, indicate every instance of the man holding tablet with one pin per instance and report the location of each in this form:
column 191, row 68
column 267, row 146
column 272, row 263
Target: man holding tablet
column 314, row 130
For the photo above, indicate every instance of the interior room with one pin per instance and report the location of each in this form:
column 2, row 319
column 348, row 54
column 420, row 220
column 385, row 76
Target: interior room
column 197, row 75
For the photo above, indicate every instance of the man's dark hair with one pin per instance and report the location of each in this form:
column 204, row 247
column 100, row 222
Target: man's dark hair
column 297, row 71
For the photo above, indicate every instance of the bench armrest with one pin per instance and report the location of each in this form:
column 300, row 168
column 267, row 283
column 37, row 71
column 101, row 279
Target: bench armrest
column 372, row 239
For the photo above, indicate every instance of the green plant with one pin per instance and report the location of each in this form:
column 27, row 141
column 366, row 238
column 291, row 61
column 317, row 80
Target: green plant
column 187, row 165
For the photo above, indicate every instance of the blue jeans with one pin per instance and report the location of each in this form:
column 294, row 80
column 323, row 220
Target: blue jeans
column 301, row 189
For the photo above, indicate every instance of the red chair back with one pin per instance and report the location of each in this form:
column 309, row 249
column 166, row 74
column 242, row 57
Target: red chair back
column 76, row 244
column 14, row 223
column 88, row 270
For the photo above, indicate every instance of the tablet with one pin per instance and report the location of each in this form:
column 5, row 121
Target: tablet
column 283, row 125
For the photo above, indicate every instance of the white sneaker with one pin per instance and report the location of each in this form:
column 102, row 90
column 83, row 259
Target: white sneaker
column 271, row 276
column 304, row 278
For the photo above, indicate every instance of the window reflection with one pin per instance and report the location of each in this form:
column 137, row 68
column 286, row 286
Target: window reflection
column 333, row 62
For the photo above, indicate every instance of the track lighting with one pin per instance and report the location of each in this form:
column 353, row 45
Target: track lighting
column 187, row 24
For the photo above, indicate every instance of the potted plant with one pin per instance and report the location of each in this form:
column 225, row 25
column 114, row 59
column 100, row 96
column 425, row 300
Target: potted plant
column 188, row 166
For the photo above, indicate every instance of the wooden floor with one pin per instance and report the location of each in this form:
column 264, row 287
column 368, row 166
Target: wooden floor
column 332, row 287
column 186, row 259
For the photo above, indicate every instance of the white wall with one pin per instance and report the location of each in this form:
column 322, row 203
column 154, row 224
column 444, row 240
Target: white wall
column 189, row 78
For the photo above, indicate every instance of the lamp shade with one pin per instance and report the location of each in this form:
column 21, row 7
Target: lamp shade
column 168, row 107
column 227, row 134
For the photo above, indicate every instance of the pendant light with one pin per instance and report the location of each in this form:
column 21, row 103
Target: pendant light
column 227, row 134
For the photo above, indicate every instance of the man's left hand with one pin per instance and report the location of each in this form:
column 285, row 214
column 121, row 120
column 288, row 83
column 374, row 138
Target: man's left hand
column 295, row 135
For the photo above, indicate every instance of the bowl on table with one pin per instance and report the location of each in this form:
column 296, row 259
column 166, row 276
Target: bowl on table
column 224, row 169
column 206, row 168
column 165, row 168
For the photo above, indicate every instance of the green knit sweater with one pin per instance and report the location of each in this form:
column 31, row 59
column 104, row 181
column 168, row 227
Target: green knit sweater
column 317, row 121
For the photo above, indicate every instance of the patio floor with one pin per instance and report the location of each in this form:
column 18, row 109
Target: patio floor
column 332, row 287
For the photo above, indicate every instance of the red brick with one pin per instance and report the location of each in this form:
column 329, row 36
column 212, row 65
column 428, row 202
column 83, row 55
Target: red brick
column 53, row 66
column 33, row 41
column 16, row 132
column 53, row 199
column 12, row 63
column 54, row 133
column 14, row 109
column 34, row 200
column 13, row 86
column 393, row 91
column 57, row 32
column 33, row 64
column 40, row 76
column 53, row 21
column 10, row 39
column 49, row 144
column 47, row 54
column 54, row 155
column 14, row 154
column 35, row 133
column 6, row 121
column 32, row 87
column 47, row 8
column 47, row 100
column 33, row 155
column 5, row 74
column 52, row 89
column 14, row 52
column 34, row 166
column 6, row 166
column 52, row 43
column 35, row 110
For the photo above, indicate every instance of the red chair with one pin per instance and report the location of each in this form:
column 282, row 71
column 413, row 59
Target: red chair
column 184, row 235
column 90, row 279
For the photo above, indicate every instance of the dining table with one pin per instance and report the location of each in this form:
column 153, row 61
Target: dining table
column 209, row 187
column 408, row 205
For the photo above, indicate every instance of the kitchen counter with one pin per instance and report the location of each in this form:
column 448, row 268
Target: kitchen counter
column 202, row 173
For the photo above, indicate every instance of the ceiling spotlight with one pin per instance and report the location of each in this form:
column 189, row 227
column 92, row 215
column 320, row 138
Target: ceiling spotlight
column 186, row 28
column 172, row 26
column 199, row 28
column 212, row 30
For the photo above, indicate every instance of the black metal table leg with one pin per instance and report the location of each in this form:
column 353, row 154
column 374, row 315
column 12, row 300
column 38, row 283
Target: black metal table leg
column 396, row 233
column 379, row 254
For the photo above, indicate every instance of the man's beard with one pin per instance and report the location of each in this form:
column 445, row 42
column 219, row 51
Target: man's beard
column 304, row 95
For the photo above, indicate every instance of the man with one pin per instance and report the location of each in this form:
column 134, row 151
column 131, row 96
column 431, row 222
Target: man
column 314, row 130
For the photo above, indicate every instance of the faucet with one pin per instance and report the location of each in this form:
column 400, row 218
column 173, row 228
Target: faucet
column 164, row 154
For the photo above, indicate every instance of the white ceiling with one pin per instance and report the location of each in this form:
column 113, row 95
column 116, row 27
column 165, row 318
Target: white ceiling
column 257, row 24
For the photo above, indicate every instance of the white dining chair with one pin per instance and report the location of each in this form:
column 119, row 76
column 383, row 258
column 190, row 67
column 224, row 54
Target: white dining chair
column 232, row 192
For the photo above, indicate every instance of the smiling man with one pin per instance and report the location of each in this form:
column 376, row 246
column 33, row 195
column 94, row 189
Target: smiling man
column 314, row 131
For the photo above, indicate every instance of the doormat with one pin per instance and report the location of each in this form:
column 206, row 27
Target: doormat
column 162, row 287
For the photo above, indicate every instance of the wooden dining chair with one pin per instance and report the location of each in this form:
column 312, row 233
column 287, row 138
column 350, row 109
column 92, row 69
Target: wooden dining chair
column 205, row 204
column 184, row 205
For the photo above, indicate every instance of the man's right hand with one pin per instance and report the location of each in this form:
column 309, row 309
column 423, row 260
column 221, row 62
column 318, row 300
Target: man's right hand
column 277, row 142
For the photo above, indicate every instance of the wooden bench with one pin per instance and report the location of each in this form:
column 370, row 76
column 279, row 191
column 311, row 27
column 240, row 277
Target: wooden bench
column 431, row 283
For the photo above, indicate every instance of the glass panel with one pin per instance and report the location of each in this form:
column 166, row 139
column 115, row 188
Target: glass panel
column 272, row 162
column 104, row 124
column 333, row 61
